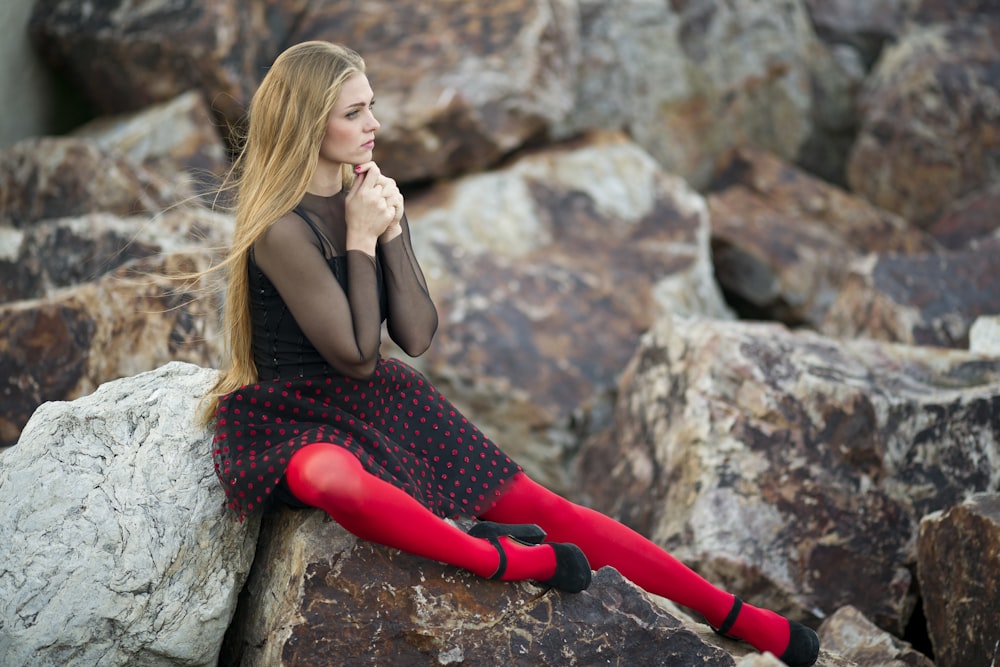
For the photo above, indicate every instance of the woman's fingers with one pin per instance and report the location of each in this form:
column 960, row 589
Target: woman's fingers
column 378, row 193
column 368, row 173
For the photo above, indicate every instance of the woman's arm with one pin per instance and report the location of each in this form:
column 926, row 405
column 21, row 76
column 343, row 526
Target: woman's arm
column 412, row 317
column 344, row 328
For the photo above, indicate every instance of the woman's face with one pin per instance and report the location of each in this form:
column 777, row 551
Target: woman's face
column 350, row 130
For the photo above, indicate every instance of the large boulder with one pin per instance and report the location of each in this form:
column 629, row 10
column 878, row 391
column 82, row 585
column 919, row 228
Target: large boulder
column 792, row 467
column 691, row 80
column 546, row 272
column 460, row 84
column 848, row 633
column 319, row 596
column 115, row 546
column 930, row 299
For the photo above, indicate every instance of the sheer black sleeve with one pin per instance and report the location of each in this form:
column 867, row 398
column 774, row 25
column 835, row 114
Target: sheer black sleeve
column 412, row 317
column 344, row 327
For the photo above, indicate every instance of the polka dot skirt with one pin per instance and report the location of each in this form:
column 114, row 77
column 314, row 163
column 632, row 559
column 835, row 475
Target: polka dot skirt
column 396, row 423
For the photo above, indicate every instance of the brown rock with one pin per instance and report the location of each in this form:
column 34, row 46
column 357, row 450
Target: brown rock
column 919, row 299
column 969, row 219
column 459, row 84
column 178, row 139
column 782, row 240
column 66, row 252
column 318, row 596
column 49, row 178
column 691, row 80
column 849, row 634
column 126, row 58
column 958, row 556
column 64, row 347
column 791, row 468
column 929, row 119
column 545, row 274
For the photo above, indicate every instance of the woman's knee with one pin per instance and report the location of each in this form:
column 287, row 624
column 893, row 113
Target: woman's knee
column 323, row 475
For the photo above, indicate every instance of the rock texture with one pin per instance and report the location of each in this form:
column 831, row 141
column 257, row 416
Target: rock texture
column 546, row 272
column 131, row 320
column 317, row 596
column 917, row 299
column 849, row 634
column 115, row 548
column 783, row 241
column 693, row 79
column 958, row 558
column 929, row 116
column 794, row 468
column 54, row 177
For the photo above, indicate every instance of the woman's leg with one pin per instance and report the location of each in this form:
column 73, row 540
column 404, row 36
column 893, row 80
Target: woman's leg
column 331, row 478
column 608, row 542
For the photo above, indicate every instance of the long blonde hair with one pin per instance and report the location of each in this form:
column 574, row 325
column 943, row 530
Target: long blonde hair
column 288, row 116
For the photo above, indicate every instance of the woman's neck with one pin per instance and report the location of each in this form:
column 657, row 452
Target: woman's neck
column 326, row 182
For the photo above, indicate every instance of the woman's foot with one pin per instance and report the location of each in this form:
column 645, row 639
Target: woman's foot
column 572, row 570
column 801, row 649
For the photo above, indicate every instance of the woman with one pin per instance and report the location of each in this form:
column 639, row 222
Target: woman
column 308, row 414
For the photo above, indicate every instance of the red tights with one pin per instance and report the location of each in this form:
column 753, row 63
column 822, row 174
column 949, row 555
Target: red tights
column 331, row 478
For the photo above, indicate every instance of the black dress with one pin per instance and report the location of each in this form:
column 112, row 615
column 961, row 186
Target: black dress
column 394, row 421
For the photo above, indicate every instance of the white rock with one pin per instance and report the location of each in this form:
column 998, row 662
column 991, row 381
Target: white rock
column 984, row 335
column 115, row 548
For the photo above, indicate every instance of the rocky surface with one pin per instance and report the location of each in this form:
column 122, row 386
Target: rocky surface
column 929, row 116
column 547, row 271
column 849, row 634
column 64, row 346
column 115, row 548
column 577, row 173
column 318, row 596
column 959, row 553
column 928, row 299
column 783, row 240
column 794, row 465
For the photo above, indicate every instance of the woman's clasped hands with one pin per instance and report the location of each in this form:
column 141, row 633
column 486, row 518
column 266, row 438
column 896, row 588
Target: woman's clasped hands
column 374, row 206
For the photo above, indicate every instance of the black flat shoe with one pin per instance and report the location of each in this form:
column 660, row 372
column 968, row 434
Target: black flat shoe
column 803, row 642
column 526, row 533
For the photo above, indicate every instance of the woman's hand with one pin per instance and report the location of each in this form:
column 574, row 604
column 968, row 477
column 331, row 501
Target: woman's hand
column 373, row 207
column 386, row 187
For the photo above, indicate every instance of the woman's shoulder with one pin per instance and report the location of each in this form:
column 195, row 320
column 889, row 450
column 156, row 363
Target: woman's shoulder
column 290, row 229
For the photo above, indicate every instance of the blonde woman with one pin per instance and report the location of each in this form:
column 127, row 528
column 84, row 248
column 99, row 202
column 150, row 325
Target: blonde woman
column 308, row 414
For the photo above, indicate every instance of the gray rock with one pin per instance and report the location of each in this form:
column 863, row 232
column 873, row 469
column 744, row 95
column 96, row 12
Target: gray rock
column 115, row 547
column 792, row 468
column 848, row 633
